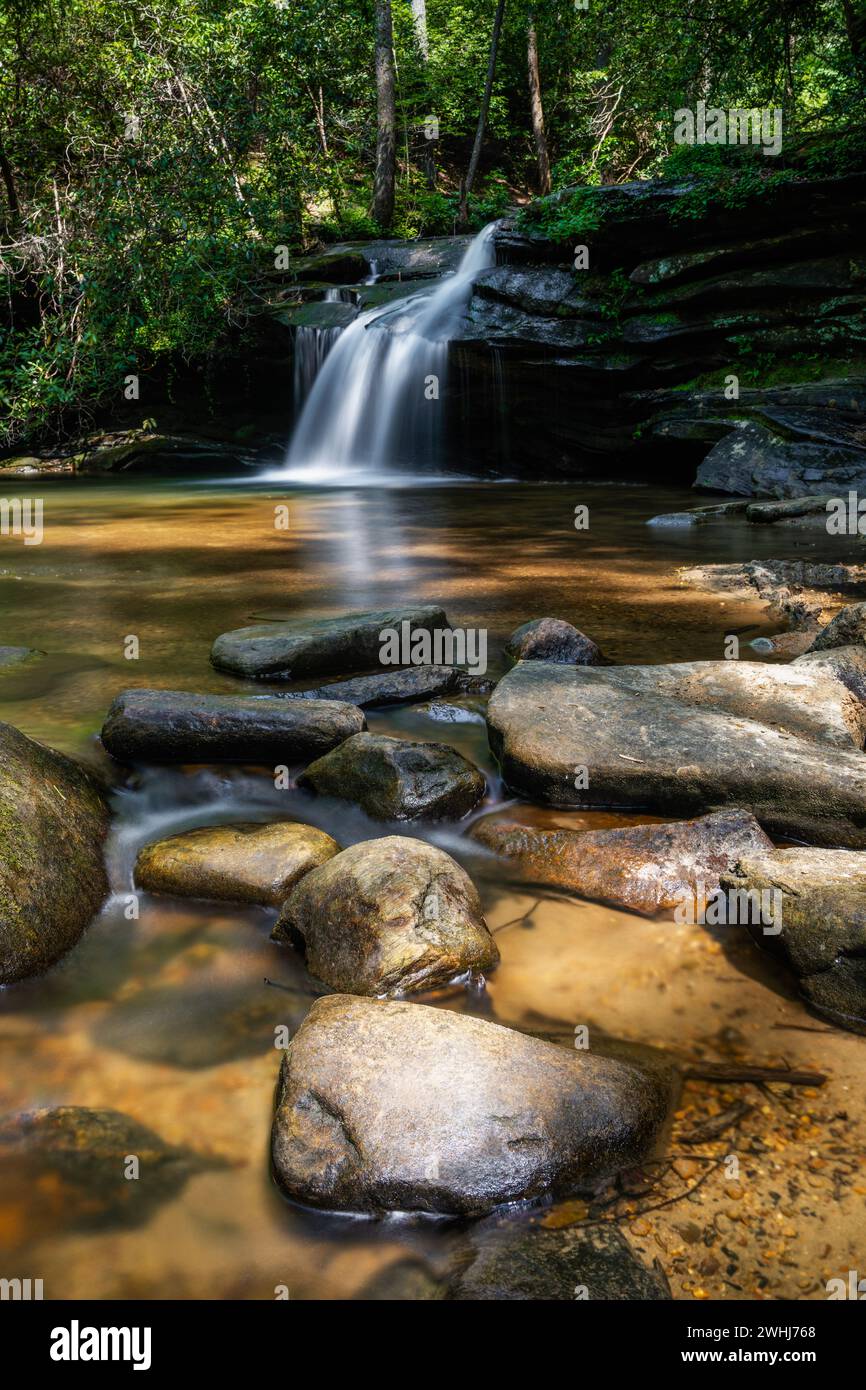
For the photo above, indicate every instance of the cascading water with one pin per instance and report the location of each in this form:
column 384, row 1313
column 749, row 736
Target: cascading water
column 312, row 345
column 369, row 409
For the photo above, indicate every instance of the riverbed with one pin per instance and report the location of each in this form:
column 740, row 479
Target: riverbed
column 170, row 1017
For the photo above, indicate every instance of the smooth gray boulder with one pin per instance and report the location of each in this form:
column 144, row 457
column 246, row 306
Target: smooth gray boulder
column 402, row 1107
column 807, row 700
column 646, row 868
column 306, row 647
column 846, row 664
column 390, row 916
column 244, row 862
column 554, row 728
column 822, row 913
column 391, row 687
column 53, row 822
column 846, row 629
column 395, row 779
column 552, row 639
column 173, row 726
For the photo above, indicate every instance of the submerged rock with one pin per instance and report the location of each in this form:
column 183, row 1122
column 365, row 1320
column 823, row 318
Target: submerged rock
column 66, row 1169
column 846, row 629
column 244, row 862
column 515, row 1260
column 53, row 821
column 17, row 656
column 392, row 687
column 390, row 916
column 808, row 700
column 397, row 1106
column 822, row 914
column 395, row 779
column 172, row 726
column 574, row 736
column 551, row 639
column 318, row 646
column 643, row 867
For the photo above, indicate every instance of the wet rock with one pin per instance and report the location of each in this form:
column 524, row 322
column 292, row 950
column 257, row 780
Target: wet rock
column 244, row 862
column 53, row 821
column 172, row 726
column 700, row 516
column 65, row 1169
column 807, row 700
column 394, row 779
column 515, row 1260
column 755, row 460
column 551, row 639
column 390, row 916
column 797, row 590
column 644, row 867
column 769, row 513
column 392, row 687
column 397, row 1106
column 547, row 723
column 822, row 912
column 17, row 656
column 306, row 647
column 848, row 628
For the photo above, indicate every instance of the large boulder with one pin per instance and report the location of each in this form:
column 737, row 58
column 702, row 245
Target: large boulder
column 848, row 628
column 390, row 916
column 305, row 647
column 845, row 664
column 808, row 700
column 552, row 639
column 243, row 862
column 53, row 821
column 395, row 1106
column 643, row 867
column 574, row 737
column 395, row 779
column 173, row 726
column 821, row 911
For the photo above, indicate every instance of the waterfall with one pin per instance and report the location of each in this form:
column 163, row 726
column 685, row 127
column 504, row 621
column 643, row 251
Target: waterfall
column 375, row 402
column 312, row 346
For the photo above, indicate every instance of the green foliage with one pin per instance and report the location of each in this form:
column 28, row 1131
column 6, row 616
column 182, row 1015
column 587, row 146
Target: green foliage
column 563, row 217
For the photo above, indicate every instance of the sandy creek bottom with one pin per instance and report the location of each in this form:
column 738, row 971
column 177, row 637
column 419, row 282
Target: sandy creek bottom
column 168, row 1018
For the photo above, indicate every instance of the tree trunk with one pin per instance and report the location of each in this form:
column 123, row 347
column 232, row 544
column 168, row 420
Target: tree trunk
column 9, row 185
column 537, row 109
column 419, row 17
column 466, row 187
column 386, row 105
column 855, row 25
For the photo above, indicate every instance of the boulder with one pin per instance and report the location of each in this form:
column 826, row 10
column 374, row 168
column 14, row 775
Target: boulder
column 513, row 1260
column 244, row 862
column 808, row 700
column 17, row 656
column 53, row 821
column 309, row 647
column 848, row 628
column 822, row 913
column 173, row 726
column 395, row 779
column 388, row 1106
column 846, row 664
column 64, row 1169
column 390, row 916
column 551, row 639
column 392, row 687
column 555, row 727
column 756, row 460
column 647, row 868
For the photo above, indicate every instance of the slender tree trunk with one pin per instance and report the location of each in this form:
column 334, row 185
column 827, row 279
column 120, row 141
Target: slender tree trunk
column 468, row 182
column 536, row 109
column 855, row 25
column 419, row 16
column 386, row 105
column 9, row 185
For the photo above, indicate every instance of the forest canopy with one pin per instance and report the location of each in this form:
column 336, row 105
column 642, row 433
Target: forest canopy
column 154, row 155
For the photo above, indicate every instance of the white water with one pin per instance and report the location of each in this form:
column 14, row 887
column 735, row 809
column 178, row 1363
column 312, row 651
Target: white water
column 367, row 415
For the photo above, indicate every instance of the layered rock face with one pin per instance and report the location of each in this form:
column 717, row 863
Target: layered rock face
column 622, row 367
